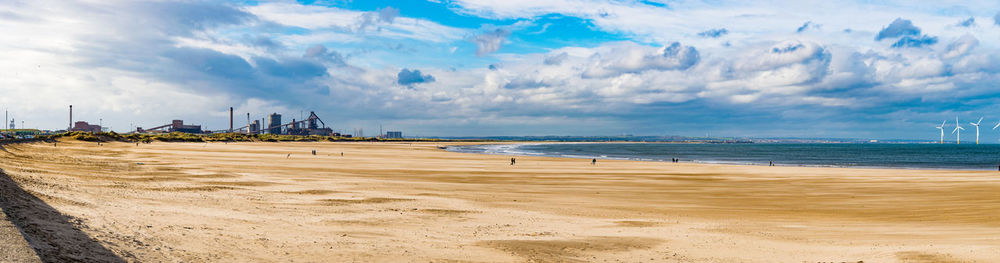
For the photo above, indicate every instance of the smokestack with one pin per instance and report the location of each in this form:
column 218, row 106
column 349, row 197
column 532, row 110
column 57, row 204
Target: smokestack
column 230, row 119
column 248, row 123
column 70, row 118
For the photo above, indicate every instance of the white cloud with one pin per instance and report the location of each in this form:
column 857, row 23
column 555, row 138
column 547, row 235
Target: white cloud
column 324, row 19
column 960, row 47
column 491, row 41
column 193, row 66
column 632, row 58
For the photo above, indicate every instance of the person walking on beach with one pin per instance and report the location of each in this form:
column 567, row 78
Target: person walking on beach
column 770, row 163
column 593, row 162
column 512, row 161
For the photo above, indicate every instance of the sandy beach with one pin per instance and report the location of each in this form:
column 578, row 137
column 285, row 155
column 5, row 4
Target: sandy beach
column 413, row 202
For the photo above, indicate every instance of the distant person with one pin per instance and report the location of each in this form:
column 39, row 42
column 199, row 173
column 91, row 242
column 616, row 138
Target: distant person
column 341, row 154
column 770, row 163
column 314, row 152
column 512, row 161
column 593, row 162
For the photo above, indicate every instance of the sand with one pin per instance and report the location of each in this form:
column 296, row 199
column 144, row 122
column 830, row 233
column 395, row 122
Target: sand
column 13, row 246
column 402, row 202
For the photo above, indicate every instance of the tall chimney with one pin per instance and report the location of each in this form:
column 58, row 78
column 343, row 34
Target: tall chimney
column 248, row 123
column 70, row 118
column 230, row 119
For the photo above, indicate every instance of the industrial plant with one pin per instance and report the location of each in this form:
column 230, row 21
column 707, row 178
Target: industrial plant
column 272, row 124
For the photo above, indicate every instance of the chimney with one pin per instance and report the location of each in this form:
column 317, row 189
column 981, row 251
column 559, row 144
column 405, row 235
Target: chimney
column 230, row 119
column 70, row 118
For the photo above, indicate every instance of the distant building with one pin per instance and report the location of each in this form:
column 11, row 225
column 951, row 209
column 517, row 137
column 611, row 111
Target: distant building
column 85, row 127
column 255, row 126
column 313, row 119
column 178, row 126
column 393, row 135
column 274, row 123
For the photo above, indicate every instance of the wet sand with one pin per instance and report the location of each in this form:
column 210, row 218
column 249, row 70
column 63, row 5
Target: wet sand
column 400, row 202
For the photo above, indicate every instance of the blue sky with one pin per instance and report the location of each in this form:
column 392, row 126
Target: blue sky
column 864, row 69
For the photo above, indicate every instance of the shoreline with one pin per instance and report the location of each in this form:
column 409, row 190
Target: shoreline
column 690, row 161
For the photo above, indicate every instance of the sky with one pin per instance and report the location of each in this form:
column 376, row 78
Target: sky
column 809, row 69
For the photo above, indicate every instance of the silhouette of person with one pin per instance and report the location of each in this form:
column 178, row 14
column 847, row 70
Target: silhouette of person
column 512, row 161
column 593, row 162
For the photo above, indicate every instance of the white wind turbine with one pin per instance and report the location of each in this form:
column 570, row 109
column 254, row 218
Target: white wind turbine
column 977, row 128
column 958, row 131
column 942, row 129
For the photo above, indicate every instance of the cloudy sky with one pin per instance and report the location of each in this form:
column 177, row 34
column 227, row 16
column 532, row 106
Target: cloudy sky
column 867, row 69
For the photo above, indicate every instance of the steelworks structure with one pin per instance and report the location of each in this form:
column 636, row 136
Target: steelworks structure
column 312, row 125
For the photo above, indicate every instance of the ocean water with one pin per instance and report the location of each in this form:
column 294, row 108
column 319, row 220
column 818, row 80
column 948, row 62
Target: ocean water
column 908, row 156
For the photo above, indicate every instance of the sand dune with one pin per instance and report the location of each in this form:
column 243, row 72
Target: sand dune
column 401, row 202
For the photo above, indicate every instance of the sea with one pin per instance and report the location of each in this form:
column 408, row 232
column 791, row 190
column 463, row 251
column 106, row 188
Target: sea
column 858, row 155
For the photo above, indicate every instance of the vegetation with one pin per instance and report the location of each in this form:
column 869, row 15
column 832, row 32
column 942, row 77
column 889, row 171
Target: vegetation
column 216, row 137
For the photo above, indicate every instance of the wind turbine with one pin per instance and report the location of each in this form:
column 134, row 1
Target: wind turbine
column 958, row 131
column 942, row 129
column 977, row 128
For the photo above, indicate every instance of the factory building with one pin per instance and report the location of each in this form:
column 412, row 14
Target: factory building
column 255, row 126
column 274, row 123
column 309, row 126
column 178, row 126
column 393, row 135
column 85, row 127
